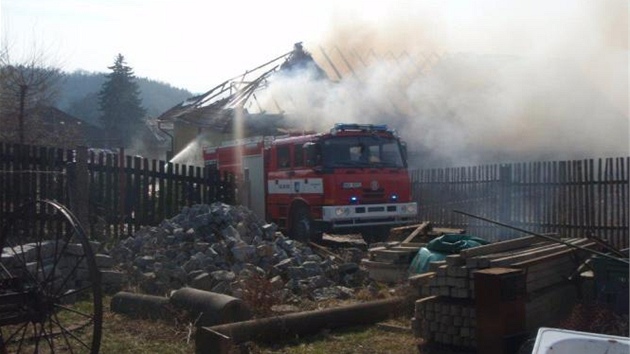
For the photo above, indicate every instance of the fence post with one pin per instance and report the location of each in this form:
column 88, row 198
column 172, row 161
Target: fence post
column 79, row 186
column 122, row 193
column 505, row 197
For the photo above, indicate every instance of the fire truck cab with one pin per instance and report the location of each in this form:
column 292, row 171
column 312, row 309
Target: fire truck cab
column 353, row 178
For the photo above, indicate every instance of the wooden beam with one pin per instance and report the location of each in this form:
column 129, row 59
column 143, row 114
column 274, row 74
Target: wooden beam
column 416, row 232
column 539, row 252
column 420, row 279
column 548, row 257
column 500, row 246
column 446, row 230
column 405, row 228
column 326, row 252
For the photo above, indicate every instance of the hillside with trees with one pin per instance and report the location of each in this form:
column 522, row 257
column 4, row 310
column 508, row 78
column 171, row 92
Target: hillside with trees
column 42, row 105
column 78, row 95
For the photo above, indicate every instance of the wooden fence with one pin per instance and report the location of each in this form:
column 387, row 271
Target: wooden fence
column 567, row 198
column 115, row 194
column 112, row 194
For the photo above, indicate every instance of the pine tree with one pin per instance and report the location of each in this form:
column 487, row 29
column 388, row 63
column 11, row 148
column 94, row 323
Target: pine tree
column 122, row 113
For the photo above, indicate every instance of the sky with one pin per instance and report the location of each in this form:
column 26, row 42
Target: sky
column 194, row 44
column 515, row 65
column 187, row 43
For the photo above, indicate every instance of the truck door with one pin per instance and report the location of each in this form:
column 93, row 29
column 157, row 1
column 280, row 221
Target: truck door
column 307, row 184
column 279, row 185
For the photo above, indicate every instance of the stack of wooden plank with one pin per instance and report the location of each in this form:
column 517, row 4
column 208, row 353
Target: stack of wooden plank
column 389, row 262
column 445, row 312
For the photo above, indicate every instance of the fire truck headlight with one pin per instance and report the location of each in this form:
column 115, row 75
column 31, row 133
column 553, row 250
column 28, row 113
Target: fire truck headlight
column 409, row 209
column 342, row 211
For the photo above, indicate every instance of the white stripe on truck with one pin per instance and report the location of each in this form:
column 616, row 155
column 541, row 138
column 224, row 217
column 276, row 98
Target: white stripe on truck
column 296, row 186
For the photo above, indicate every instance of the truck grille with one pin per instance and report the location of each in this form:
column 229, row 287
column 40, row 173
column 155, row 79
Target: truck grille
column 374, row 197
column 375, row 209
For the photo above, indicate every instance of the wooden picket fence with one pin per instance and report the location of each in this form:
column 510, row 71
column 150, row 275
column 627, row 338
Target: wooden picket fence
column 116, row 194
column 111, row 193
column 567, row 198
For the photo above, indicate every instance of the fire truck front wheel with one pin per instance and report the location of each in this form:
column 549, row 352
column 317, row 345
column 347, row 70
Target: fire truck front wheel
column 302, row 226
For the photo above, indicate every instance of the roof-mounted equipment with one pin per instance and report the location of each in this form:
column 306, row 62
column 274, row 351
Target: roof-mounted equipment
column 340, row 127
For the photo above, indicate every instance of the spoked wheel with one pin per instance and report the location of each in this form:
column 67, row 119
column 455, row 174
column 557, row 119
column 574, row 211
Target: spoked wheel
column 50, row 294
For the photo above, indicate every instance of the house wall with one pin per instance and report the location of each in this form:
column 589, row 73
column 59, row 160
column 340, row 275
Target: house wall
column 184, row 134
column 254, row 125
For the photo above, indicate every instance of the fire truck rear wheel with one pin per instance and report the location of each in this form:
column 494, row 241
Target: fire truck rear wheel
column 302, row 226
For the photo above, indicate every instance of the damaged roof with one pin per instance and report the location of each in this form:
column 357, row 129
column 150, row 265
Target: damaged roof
column 216, row 108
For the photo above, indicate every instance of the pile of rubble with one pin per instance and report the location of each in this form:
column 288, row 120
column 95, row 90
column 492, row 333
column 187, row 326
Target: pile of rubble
column 220, row 248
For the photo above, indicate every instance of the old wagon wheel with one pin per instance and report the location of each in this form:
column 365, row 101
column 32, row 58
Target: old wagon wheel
column 50, row 291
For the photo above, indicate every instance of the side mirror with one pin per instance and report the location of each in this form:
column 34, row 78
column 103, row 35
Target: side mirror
column 403, row 149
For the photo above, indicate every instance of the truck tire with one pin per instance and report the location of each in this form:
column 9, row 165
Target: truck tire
column 302, row 226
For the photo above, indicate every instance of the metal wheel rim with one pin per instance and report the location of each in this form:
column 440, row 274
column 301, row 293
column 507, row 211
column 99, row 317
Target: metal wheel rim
column 51, row 288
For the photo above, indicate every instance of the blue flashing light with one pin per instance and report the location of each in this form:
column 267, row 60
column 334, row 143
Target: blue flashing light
column 354, row 200
column 393, row 197
column 363, row 127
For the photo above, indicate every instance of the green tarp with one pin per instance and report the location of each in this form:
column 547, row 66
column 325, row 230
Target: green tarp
column 438, row 248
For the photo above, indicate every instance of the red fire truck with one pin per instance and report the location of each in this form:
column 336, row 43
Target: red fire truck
column 351, row 179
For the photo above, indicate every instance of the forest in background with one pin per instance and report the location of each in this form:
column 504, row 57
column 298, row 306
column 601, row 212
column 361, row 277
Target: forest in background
column 78, row 95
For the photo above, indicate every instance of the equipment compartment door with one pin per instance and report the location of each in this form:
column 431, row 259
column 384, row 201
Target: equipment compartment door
column 257, row 184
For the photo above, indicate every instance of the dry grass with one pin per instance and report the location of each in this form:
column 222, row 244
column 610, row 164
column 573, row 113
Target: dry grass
column 363, row 339
column 122, row 334
column 125, row 335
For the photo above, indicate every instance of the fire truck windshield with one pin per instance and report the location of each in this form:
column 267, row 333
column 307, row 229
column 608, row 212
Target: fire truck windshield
column 361, row 151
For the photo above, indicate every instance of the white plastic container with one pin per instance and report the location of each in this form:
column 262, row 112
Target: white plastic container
column 562, row 341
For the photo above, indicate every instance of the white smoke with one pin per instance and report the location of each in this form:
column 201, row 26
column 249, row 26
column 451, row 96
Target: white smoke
column 548, row 91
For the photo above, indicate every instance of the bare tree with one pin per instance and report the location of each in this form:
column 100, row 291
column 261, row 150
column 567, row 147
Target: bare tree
column 27, row 88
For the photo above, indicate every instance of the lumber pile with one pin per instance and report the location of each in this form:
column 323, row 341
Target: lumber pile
column 389, row 262
column 423, row 232
column 446, row 310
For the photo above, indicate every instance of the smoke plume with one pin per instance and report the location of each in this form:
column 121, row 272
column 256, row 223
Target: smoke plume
column 527, row 81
